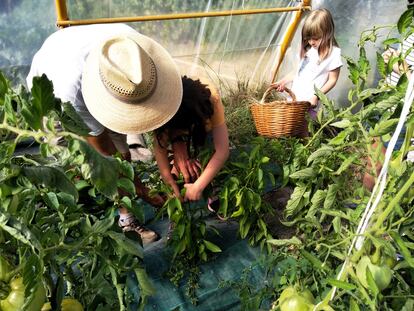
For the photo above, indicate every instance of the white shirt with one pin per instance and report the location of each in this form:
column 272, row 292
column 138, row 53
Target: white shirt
column 62, row 58
column 312, row 73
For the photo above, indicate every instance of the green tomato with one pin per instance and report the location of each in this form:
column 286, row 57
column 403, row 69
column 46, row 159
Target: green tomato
column 295, row 303
column 382, row 274
column 286, row 293
column 14, row 300
column 389, row 261
column 307, row 294
column 289, row 291
column 68, row 304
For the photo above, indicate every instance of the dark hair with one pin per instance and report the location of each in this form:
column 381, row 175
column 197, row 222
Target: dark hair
column 195, row 109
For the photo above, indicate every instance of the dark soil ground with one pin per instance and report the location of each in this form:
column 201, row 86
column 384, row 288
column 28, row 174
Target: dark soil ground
column 278, row 199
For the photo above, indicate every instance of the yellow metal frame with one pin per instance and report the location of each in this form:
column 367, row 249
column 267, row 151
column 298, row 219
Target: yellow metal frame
column 288, row 36
column 64, row 21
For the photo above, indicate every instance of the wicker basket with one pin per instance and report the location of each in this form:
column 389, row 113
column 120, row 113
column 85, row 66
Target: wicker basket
column 280, row 118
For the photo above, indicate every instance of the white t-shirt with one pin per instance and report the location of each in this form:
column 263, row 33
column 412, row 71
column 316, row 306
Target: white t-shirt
column 313, row 73
column 62, row 58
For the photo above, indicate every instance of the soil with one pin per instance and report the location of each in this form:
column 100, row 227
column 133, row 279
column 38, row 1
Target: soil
column 278, row 200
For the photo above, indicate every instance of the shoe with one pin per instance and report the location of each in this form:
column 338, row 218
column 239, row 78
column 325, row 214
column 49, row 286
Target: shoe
column 131, row 224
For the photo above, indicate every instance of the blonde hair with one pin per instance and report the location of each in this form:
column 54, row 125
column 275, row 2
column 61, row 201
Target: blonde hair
column 319, row 24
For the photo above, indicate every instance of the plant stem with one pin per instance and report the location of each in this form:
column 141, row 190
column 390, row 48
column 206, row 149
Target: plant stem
column 330, row 121
column 396, row 200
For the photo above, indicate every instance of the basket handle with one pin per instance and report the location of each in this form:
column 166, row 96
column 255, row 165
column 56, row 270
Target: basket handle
column 273, row 87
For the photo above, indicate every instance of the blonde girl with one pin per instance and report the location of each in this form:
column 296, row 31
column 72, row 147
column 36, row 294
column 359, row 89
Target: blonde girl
column 320, row 60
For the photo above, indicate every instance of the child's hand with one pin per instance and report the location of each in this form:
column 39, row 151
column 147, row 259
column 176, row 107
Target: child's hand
column 192, row 192
column 314, row 101
column 280, row 86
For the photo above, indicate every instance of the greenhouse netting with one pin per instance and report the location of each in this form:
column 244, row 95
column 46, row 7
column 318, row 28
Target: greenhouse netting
column 287, row 229
column 229, row 49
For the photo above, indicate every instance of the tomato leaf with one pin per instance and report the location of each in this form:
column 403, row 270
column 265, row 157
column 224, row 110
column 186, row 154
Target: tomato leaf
column 71, row 121
column 50, row 177
column 341, row 284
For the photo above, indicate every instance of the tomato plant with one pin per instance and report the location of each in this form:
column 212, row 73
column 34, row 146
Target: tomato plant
column 58, row 206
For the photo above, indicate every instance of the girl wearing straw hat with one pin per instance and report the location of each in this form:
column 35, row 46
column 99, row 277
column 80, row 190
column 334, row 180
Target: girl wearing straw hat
column 120, row 82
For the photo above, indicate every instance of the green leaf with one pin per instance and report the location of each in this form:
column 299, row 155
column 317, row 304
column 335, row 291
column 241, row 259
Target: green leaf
column 101, row 226
column 384, row 127
column 340, row 138
column 103, row 170
column 43, row 98
column 322, row 152
column 330, row 196
column 8, row 108
column 353, row 306
column 324, row 100
column 345, row 164
column 126, row 185
column 145, row 285
column 126, row 201
column 313, row 260
column 18, row 230
column 317, row 200
column 382, row 68
column 341, row 284
column 403, row 248
column 212, row 247
column 295, row 202
column 71, row 121
column 283, row 242
column 50, row 177
column 127, row 170
column 4, row 85
column 130, row 246
column 51, row 200
column 306, row 173
column 391, row 41
column 341, row 124
column 405, row 20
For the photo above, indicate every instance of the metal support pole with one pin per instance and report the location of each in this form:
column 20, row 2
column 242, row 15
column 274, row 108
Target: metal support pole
column 62, row 21
column 61, row 12
column 287, row 38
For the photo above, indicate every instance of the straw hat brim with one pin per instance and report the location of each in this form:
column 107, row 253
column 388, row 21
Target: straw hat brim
column 130, row 118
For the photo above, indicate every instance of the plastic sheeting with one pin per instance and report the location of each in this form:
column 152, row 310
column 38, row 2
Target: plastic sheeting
column 229, row 49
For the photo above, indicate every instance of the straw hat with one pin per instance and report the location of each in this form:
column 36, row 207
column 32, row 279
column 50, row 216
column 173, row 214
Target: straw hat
column 131, row 84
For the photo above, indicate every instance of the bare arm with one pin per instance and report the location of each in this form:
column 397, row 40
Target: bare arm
column 330, row 83
column 102, row 143
column 221, row 145
column 281, row 84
